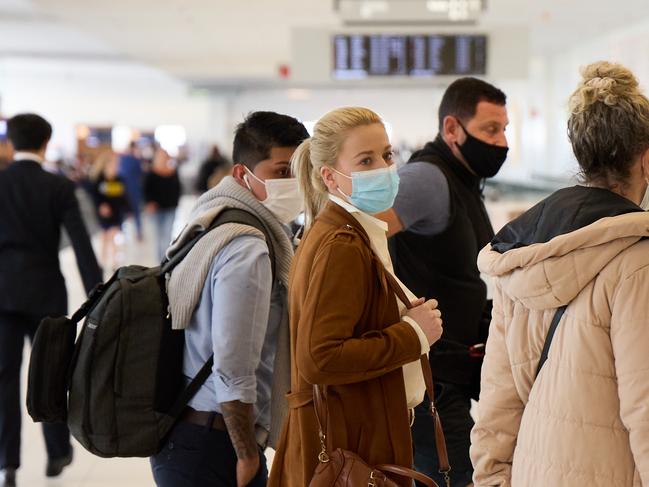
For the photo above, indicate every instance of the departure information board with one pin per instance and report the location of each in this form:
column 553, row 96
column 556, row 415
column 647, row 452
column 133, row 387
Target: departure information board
column 363, row 56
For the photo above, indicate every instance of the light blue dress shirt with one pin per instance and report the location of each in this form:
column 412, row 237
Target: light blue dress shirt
column 237, row 319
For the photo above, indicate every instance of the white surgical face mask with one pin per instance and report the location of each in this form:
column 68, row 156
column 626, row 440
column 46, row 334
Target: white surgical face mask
column 283, row 197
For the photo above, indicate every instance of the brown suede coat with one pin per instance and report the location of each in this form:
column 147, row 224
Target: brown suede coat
column 346, row 334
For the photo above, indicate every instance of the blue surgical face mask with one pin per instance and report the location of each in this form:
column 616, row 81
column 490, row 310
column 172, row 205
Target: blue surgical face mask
column 373, row 191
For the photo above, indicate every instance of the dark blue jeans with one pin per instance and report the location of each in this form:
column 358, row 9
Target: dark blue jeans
column 198, row 456
column 453, row 405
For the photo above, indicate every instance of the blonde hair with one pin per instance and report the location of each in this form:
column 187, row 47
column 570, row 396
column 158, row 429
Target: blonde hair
column 322, row 150
column 609, row 123
column 99, row 166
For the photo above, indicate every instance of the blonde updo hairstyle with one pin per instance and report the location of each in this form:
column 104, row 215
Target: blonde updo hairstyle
column 321, row 150
column 609, row 123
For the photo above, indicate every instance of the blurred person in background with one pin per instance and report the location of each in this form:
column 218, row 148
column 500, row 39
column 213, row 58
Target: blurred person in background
column 162, row 193
column 5, row 154
column 581, row 418
column 5, row 147
column 438, row 225
column 131, row 173
column 212, row 170
column 35, row 205
column 349, row 332
column 112, row 203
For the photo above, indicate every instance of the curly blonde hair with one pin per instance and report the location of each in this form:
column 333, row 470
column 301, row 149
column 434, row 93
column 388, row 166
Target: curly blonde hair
column 609, row 123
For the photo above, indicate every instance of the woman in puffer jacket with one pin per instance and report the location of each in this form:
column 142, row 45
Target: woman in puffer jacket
column 584, row 419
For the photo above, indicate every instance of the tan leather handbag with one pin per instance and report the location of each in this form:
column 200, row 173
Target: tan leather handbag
column 343, row 468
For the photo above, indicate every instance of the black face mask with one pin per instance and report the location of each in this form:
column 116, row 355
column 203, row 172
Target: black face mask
column 484, row 159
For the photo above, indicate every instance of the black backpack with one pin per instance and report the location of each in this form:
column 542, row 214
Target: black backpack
column 120, row 387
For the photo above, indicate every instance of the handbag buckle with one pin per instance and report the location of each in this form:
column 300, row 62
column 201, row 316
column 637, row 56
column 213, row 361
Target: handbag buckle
column 323, row 457
column 447, row 476
column 372, row 482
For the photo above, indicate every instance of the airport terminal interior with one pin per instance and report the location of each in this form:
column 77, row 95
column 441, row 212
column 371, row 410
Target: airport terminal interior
column 171, row 81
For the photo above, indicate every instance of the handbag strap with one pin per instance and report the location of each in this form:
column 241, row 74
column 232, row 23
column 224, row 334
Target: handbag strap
column 548, row 339
column 440, row 440
column 407, row 472
column 321, row 415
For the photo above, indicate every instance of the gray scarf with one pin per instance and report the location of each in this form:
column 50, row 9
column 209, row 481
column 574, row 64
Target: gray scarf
column 188, row 278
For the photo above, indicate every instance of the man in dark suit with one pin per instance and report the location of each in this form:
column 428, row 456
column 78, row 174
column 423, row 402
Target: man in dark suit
column 34, row 204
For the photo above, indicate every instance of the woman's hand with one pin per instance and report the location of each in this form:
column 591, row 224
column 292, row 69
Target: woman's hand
column 428, row 317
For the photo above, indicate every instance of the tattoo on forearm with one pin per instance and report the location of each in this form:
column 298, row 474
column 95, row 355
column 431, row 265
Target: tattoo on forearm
column 239, row 420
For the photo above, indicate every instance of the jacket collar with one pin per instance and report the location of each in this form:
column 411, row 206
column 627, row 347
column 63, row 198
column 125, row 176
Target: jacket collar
column 565, row 211
column 551, row 274
column 27, row 156
column 337, row 216
column 360, row 215
column 17, row 163
column 440, row 149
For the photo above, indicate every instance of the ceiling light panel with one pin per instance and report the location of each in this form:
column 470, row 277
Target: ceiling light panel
column 370, row 12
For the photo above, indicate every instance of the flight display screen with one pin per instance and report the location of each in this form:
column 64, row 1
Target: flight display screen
column 362, row 56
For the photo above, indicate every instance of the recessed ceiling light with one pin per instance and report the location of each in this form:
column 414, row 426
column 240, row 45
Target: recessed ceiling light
column 455, row 9
column 369, row 8
column 437, row 6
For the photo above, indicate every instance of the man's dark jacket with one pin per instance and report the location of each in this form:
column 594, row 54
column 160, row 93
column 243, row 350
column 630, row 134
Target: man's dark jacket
column 34, row 205
column 444, row 267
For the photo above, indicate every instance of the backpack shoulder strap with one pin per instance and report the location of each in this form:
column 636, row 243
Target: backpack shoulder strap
column 235, row 215
column 548, row 339
column 192, row 388
column 229, row 215
column 93, row 298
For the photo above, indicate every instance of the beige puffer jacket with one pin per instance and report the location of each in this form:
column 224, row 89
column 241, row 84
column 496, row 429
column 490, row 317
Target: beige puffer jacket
column 585, row 421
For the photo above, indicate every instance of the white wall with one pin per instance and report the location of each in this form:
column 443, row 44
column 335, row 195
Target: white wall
column 412, row 112
column 628, row 46
column 540, row 149
column 68, row 93
column 116, row 92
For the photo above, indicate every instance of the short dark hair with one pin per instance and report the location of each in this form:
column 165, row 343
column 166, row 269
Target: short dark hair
column 260, row 132
column 461, row 99
column 28, row 131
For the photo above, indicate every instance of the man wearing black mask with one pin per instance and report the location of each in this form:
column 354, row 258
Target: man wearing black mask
column 437, row 227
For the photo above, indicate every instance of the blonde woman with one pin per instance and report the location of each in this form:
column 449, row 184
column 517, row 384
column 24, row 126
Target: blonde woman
column 162, row 193
column 111, row 200
column 583, row 418
column 348, row 332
